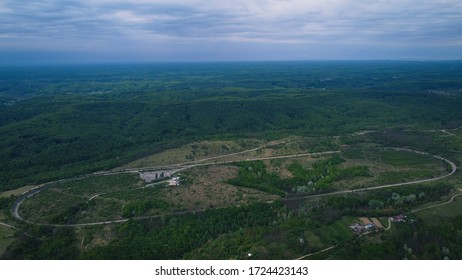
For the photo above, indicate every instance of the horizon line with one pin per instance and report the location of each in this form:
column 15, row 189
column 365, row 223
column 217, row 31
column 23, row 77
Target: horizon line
column 152, row 62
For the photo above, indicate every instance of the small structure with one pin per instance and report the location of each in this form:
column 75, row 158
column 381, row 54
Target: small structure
column 357, row 228
column 369, row 227
column 159, row 175
column 399, row 218
column 174, row 181
column 365, row 226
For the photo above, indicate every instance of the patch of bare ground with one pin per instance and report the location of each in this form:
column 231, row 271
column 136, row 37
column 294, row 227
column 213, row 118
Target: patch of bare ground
column 365, row 220
column 209, row 190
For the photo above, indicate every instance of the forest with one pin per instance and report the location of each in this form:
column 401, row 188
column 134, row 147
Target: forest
column 59, row 122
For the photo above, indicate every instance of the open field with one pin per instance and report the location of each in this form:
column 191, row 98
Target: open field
column 194, row 152
column 437, row 215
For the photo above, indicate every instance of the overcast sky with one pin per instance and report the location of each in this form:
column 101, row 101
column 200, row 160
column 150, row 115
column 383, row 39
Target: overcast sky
column 228, row 30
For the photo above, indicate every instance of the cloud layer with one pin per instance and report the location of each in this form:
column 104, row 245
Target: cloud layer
column 302, row 29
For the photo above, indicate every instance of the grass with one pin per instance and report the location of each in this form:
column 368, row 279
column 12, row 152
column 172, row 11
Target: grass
column 402, row 158
column 390, row 166
column 313, row 240
column 195, row 151
column 6, row 238
column 209, row 187
column 438, row 215
column 68, row 202
column 100, row 184
column 16, row 192
column 403, row 176
column 336, row 232
column 384, row 221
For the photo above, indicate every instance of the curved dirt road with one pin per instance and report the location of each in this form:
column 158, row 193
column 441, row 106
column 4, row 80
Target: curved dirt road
column 437, row 205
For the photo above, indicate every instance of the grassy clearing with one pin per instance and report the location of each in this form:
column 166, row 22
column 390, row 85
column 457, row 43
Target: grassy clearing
column 390, row 166
column 391, row 177
column 195, row 151
column 401, row 158
column 210, row 149
column 100, row 184
column 440, row 214
column 336, row 232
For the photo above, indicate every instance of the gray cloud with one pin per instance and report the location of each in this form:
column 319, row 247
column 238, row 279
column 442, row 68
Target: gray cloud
column 169, row 27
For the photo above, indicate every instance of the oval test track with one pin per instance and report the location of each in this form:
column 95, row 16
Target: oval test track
column 23, row 197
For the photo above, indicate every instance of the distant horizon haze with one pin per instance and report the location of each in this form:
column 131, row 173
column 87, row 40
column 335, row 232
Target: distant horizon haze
column 134, row 31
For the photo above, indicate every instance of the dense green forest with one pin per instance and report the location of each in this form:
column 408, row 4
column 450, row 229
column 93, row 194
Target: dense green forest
column 62, row 121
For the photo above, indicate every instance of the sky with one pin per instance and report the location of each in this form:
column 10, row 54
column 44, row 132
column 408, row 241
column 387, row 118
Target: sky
column 87, row 31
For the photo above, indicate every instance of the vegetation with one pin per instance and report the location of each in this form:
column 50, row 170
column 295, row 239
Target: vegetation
column 84, row 119
column 68, row 121
column 96, row 198
column 179, row 235
column 254, row 175
column 139, row 208
column 415, row 241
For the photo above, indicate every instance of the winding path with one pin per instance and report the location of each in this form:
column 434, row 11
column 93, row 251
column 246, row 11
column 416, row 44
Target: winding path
column 437, row 205
column 9, row 226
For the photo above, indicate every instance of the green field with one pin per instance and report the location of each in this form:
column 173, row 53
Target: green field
column 438, row 215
